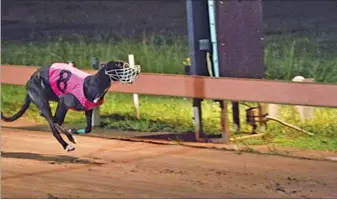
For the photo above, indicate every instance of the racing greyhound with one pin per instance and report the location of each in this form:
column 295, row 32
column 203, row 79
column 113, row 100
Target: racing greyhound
column 73, row 89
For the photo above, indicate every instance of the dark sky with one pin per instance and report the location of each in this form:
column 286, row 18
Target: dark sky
column 33, row 19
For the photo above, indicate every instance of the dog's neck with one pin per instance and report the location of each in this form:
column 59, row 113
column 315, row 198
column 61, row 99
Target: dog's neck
column 95, row 86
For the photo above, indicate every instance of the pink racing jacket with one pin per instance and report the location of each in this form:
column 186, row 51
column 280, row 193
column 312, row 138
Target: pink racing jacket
column 66, row 79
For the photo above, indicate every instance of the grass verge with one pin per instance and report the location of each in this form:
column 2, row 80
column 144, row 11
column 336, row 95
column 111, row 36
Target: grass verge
column 285, row 57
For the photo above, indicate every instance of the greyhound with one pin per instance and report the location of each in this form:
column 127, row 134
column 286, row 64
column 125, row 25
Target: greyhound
column 73, row 89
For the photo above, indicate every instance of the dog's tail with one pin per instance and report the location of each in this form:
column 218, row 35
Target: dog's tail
column 18, row 114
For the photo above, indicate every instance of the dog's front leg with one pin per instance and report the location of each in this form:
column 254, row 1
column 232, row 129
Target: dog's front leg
column 88, row 116
column 88, row 128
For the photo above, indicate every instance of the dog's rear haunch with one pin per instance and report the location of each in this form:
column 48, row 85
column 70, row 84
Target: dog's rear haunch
column 72, row 89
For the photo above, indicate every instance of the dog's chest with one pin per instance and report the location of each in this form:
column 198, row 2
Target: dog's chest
column 65, row 79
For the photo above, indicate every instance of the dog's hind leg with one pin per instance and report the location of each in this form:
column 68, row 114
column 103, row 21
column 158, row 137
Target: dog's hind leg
column 38, row 97
column 60, row 114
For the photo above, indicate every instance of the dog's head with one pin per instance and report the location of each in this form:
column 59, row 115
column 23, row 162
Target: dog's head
column 121, row 71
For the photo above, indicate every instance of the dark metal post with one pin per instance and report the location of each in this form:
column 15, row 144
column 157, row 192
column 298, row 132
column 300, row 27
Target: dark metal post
column 224, row 122
column 198, row 30
column 240, row 41
column 198, row 33
column 236, row 116
column 240, row 38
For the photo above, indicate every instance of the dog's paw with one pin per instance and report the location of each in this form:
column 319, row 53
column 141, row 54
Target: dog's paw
column 70, row 148
column 73, row 139
column 72, row 131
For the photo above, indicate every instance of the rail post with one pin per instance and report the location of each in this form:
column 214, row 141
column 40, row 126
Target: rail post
column 305, row 112
column 131, row 58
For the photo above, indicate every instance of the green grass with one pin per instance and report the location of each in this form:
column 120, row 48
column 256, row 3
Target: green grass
column 285, row 57
column 154, row 53
column 288, row 56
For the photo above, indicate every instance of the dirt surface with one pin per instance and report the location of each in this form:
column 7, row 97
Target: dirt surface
column 184, row 139
column 35, row 166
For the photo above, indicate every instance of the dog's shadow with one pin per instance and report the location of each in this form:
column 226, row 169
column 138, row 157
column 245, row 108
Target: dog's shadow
column 51, row 159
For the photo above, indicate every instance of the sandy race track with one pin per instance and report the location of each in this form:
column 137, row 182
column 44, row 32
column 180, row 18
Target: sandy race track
column 35, row 166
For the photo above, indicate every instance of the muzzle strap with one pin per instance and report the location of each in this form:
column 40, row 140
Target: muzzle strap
column 126, row 74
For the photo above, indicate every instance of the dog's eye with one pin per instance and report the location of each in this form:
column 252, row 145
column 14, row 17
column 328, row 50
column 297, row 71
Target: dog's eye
column 119, row 64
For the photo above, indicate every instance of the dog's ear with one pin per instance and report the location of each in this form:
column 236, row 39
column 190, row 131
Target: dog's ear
column 116, row 64
column 103, row 65
column 71, row 63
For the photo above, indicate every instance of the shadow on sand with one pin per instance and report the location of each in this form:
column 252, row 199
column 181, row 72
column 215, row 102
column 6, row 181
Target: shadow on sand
column 52, row 159
column 124, row 134
column 183, row 137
